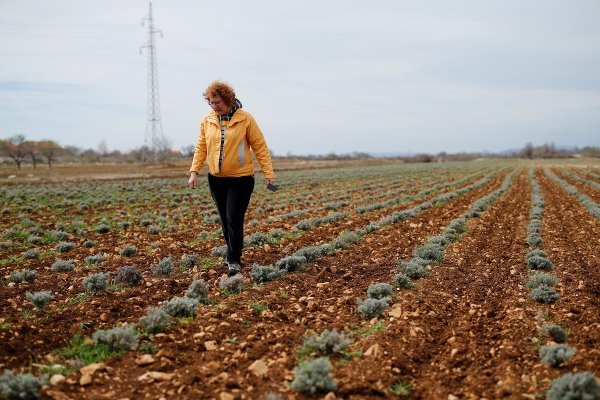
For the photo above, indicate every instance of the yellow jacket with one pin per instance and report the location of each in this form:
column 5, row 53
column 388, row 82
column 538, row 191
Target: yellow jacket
column 242, row 134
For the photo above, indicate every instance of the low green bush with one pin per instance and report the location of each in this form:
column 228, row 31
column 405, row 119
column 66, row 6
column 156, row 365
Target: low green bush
column 313, row 376
column 580, row 386
column 556, row 354
column 119, row 338
column 39, row 299
column 21, row 386
column 380, row 290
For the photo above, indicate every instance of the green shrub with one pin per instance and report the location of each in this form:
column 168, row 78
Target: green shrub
column 128, row 251
column 233, row 284
column 380, row 290
column 402, row 281
column 291, row 263
column 198, row 290
column 256, row 239
column 119, row 338
column 64, row 247
column 262, row 274
column 544, row 294
column 541, row 279
column 189, row 261
column 276, row 234
column 95, row 259
column 96, row 282
column 102, row 228
column 128, row 275
column 346, row 239
column 328, row 343
column 154, row 229
column 62, row 265
column 556, row 332
column 60, row 235
column 156, row 320
column 220, row 251
column 313, row 376
column 32, row 254
column 371, row 308
column 39, row 299
column 556, row 354
column 581, row 386
column 20, row 386
column 89, row 243
column 34, row 239
column 181, row 307
column 535, row 240
column 538, row 263
column 164, row 267
column 25, row 274
column 415, row 268
column 432, row 252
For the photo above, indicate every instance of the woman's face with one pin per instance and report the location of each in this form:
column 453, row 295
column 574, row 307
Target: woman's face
column 218, row 104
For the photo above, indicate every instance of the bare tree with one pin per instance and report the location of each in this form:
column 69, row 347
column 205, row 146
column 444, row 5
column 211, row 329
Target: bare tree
column 103, row 149
column 15, row 148
column 50, row 150
column 32, row 149
column 188, row 151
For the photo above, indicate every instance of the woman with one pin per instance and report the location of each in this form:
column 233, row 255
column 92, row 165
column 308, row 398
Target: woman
column 227, row 134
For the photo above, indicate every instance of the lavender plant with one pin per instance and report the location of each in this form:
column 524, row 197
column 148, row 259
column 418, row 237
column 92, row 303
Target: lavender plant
column 164, row 267
column 156, row 320
column 580, row 386
column 119, row 338
column 96, row 282
column 39, row 299
column 198, row 290
column 556, row 354
column 63, row 265
column 128, row 275
column 181, row 307
column 313, row 376
column 380, row 290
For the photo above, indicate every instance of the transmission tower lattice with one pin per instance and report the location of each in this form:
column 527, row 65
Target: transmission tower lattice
column 154, row 129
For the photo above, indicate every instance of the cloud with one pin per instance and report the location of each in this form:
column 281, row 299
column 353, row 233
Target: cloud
column 318, row 76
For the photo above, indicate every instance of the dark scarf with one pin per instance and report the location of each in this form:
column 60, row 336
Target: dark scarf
column 227, row 117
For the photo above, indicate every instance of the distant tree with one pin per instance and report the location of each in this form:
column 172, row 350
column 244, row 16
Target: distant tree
column 15, row 148
column 590, row 151
column 188, row 151
column 73, row 151
column 102, row 149
column 528, row 150
column 50, row 150
column 32, row 149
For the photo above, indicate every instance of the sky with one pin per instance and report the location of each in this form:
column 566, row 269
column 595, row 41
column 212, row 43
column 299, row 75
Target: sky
column 383, row 76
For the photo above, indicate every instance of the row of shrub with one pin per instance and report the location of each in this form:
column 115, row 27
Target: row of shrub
column 582, row 385
column 576, row 177
column 592, row 207
column 540, row 283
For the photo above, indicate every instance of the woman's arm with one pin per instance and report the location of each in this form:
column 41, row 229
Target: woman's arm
column 199, row 157
column 259, row 146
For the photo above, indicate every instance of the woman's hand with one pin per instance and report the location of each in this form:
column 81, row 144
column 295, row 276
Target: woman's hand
column 193, row 179
column 270, row 181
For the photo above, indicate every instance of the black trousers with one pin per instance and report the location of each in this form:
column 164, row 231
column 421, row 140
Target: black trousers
column 232, row 196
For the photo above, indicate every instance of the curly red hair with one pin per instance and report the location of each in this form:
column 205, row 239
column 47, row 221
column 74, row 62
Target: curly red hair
column 222, row 89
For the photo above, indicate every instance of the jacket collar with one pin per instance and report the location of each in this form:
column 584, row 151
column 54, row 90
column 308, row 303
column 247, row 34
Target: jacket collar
column 237, row 117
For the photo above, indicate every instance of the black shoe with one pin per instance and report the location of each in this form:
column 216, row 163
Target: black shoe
column 234, row 269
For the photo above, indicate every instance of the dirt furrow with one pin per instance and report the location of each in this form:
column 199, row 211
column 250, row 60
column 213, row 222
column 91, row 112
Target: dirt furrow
column 571, row 239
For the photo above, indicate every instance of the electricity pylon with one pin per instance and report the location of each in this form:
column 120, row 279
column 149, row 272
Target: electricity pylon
column 154, row 129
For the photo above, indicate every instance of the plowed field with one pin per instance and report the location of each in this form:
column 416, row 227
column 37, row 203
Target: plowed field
column 466, row 328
